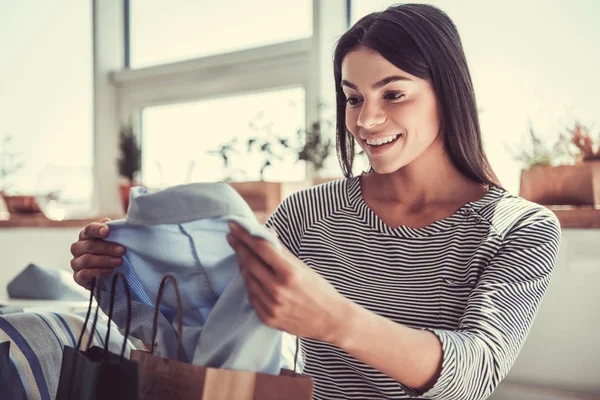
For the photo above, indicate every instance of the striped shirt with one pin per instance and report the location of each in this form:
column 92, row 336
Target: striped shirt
column 475, row 279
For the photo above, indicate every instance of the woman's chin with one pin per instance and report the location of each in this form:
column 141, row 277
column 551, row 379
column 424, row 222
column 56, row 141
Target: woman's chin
column 383, row 169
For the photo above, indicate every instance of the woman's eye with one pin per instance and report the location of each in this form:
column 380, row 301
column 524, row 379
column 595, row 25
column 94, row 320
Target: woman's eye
column 352, row 101
column 394, row 96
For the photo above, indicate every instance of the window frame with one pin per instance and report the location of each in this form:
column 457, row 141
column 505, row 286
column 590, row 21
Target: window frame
column 121, row 93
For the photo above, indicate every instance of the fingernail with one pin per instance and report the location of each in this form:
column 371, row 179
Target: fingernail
column 120, row 250
column 104, row 230
column 233, row 226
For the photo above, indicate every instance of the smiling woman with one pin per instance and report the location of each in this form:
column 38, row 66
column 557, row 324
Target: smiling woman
column 378, row 114
column 386, row 84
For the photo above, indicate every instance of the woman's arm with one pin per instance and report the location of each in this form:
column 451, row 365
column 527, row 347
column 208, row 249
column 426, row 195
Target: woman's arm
column 290, row 296
column 410, row 356
column 466, row 363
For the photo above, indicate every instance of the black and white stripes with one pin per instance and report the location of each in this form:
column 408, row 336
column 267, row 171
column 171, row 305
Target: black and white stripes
column 475, row 279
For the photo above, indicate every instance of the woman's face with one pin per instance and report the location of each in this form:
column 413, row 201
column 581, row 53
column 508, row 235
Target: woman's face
column 392, row 115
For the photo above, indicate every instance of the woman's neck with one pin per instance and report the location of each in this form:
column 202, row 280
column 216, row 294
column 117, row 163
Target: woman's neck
column 432, row 179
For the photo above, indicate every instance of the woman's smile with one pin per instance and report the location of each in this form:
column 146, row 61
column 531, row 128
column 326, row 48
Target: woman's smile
column 380, row 145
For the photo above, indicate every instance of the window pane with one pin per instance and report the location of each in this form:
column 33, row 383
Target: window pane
column 177, row 138
column 529, row 72
column 46, row 95
column 164, row 32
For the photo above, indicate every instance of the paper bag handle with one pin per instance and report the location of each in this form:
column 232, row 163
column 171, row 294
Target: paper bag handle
column 110, row 312
column 179, row 313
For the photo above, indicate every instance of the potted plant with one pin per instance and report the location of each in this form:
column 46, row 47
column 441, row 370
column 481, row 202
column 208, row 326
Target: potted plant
column 11, row 163
column 568, row 173
column 310, row 145
column 315, row 147
column 129, row 162
column 261, row 196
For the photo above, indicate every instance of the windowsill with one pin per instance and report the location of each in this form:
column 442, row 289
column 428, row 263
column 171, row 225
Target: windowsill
column 577, row 217
column 570, row 217
column 40, row 221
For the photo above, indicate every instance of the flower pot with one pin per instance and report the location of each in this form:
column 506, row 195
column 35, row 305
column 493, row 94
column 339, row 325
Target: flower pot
column 320, row 180
column 21, row 204
column 261, row 196
column 577, row 184
column 124, row 189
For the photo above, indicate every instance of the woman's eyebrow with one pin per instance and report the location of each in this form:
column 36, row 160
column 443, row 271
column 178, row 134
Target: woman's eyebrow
column 380, row 83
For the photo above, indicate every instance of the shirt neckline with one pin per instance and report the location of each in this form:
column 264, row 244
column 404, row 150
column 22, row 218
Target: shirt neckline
column 463, row 214
column 185, row 203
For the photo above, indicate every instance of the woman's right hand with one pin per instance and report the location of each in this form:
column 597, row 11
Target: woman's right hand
column 94, row 256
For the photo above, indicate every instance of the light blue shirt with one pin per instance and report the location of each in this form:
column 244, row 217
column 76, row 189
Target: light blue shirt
column 182, row 231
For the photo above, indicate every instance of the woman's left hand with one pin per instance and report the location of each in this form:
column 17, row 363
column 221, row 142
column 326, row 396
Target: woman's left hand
column 285, row 292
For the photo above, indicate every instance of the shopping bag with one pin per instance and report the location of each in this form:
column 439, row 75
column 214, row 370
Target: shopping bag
column 96, row 373
column 162, row 379
column 11, row 386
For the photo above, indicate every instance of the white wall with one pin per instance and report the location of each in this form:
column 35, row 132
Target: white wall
column 48, row 247
column 562, row 351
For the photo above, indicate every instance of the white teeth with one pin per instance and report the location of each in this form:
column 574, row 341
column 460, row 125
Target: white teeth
column 380, row 141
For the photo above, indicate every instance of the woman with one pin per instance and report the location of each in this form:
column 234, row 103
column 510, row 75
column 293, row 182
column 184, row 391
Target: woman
column 420, row 278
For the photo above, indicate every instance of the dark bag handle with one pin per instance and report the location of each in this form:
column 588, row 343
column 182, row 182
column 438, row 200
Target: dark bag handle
column 87, row 316
column 115, row 278
column 161, row 289
column 110, row 313
column 296, row 355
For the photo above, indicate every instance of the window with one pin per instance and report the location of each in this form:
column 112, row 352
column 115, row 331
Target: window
column 164, row 32
column 177, row 138
column 530, row 61
column 46, row 95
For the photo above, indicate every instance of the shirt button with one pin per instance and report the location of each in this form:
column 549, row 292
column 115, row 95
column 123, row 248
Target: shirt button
column 476, row 219
column 468, row 211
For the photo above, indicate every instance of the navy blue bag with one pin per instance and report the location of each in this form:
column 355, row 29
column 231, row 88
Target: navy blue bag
column 10, row 382
column 96, row 373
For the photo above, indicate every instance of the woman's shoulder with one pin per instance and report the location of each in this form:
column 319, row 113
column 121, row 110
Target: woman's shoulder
column 509, row 212
column 302, row 209
column 324, row 192
column 312, row 204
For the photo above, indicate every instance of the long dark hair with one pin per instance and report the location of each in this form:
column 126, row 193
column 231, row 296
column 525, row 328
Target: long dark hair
column 423, row 41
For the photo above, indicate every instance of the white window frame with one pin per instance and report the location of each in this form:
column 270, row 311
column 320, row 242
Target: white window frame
column 120, row 93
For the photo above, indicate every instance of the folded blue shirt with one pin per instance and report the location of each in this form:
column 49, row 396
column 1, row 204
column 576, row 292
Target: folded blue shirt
column 182, row 231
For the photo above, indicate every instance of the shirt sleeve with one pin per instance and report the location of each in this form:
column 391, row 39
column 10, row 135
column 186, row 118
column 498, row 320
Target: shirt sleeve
column 499, row 312
column 288, row 222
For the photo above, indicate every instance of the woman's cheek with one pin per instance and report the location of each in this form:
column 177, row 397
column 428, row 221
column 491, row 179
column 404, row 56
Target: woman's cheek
column 351, row 118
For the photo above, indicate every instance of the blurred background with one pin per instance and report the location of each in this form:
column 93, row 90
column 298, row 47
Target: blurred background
column 193, row 75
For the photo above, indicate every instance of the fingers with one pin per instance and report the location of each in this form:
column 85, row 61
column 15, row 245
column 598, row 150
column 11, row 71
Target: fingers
column 262, row 310
column 264, row 290
column 92, row 255
column 93, row 261
column 96, row 246
column 261, row 248
column 258, row 275
column 94, row 230
column 84, row 278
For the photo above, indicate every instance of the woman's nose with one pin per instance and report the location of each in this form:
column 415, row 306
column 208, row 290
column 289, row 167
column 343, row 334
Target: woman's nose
column 370, row 116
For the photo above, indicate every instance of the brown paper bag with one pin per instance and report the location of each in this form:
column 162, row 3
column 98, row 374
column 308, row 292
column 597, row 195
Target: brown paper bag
column 162, row 379
column 165, row 379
